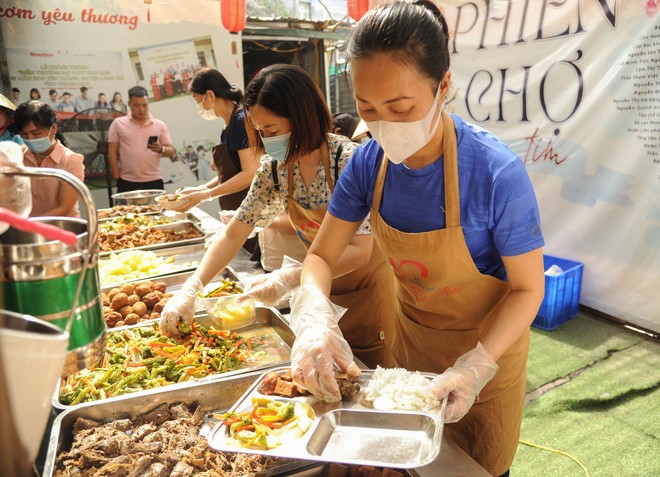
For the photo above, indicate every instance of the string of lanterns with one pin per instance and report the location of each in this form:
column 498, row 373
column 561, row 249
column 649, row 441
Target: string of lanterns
column 234, row 12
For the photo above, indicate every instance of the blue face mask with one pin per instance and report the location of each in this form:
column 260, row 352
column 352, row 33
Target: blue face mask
column 39, row 145
column 276, row 146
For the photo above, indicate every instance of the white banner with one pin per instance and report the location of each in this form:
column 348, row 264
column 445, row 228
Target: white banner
column 574, row 88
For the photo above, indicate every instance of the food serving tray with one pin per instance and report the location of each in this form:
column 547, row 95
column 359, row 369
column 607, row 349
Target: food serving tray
column 212, row 396
column 185, row 258
column 270, row 326
column 121, row 210
column 177, row 227
column 351, row 431
column 171, row 217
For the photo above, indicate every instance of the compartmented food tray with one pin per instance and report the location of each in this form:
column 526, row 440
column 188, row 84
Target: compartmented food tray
column 175, row 280
column 212, row 396
column 180, row 228
column 349, row 431
column 270, row 328
column 183, row 258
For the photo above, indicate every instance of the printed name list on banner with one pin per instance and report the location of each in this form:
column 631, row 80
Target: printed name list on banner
column 573, row 87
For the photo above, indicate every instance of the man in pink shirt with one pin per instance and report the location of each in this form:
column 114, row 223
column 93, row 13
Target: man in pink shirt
column 138, row 141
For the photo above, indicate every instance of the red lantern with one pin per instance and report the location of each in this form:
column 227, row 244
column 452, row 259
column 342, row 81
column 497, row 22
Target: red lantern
column 234, row 17
column 357, row 8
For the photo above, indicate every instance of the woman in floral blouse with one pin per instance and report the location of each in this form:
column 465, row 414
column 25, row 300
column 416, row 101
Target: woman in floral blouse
column 289, row 119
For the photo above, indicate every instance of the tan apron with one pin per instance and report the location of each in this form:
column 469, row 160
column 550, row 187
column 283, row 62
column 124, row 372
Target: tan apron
column 367, row 293
column 445, row 305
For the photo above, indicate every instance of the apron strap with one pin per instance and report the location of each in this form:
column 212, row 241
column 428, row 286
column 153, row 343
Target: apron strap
column 452, row 193
column 380, row 183
column 276, row 178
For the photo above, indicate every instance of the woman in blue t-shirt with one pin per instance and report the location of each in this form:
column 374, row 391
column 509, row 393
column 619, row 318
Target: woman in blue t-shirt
column 454, row 212
column 234, row 160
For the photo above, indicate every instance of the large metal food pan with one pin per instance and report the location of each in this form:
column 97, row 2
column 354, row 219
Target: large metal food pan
column 188, row 256
column 213, row 396
column 175, row 280
column 270, row 325
column 352, row 432
column 170, row 216
column 174, row 283
column 178, row 227
column 137, row 197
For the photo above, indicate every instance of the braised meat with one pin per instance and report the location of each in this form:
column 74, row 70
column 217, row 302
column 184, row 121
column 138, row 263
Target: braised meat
column 162, row 442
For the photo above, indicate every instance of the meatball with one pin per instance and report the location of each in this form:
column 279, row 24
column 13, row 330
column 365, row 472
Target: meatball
column 140, row 308
column 127, row 288
column 159, row 286
column 142, row 290
column 150, row 299
column 131, row 319
column 119, row 300
column 125, row 311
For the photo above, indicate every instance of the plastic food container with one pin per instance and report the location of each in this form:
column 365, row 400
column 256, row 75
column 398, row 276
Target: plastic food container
column 227, row 313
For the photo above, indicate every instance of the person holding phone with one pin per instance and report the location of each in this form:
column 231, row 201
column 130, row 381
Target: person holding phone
column 136, row 142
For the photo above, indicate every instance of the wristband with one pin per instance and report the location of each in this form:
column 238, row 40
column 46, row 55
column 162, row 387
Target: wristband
column 162, row 148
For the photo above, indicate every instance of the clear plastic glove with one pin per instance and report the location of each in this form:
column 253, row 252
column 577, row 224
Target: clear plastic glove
column 319, row 344
column 463, row 382
column 189, row 190
column 193, row 199
column 270, row 288
column 181, row 307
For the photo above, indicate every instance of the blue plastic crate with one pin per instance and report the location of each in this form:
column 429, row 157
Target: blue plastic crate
column 562, row 293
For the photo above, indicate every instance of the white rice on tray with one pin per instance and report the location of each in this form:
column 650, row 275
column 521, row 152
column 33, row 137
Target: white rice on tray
column 399, row 389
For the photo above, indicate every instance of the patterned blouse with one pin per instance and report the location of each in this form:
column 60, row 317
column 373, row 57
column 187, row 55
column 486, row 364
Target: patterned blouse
column 264, row 204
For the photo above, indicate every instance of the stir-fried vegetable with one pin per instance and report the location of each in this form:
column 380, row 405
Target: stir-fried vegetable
column 141, row 358
column 268, row 424
column 227, row 287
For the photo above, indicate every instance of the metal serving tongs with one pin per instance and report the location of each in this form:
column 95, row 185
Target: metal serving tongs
column 90, row 214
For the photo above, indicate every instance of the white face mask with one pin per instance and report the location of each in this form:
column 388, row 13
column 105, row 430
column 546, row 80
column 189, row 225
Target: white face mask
column 400, row 140
column 208, row 114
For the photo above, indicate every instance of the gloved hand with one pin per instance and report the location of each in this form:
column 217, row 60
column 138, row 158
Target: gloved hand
column 181, row 307
column 270, row 288
column 319, row 343
column 193, row 198
column 463, row 382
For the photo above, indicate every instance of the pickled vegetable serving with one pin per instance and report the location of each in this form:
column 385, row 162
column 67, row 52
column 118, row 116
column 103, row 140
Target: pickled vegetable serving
column 268, row 424
column 141, row 358
column 227, row 287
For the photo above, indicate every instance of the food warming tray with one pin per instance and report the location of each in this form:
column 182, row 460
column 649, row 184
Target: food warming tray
column 178, row 227
column 213, row 396
column 351, row 432
column 270, row 325
column 187, row 256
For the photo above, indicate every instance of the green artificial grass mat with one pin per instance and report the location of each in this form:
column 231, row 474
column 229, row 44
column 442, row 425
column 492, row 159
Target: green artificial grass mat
column 575, row 344
column 606, row 417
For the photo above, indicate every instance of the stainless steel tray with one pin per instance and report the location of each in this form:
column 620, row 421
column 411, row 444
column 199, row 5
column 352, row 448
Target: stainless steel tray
column 187, row 256
column 178, row 227
column 170, row 215
column 351, row 432
column 173, row 283
column 157, row 210
column 270, row 326
column 212, row 396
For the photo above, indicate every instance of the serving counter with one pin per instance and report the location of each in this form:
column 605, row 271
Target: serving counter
column 452, row 461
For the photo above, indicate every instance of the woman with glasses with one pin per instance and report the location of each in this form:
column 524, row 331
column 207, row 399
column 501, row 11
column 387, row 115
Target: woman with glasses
column 45, row 146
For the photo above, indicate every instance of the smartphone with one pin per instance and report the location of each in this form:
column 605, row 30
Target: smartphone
column 152, row 139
